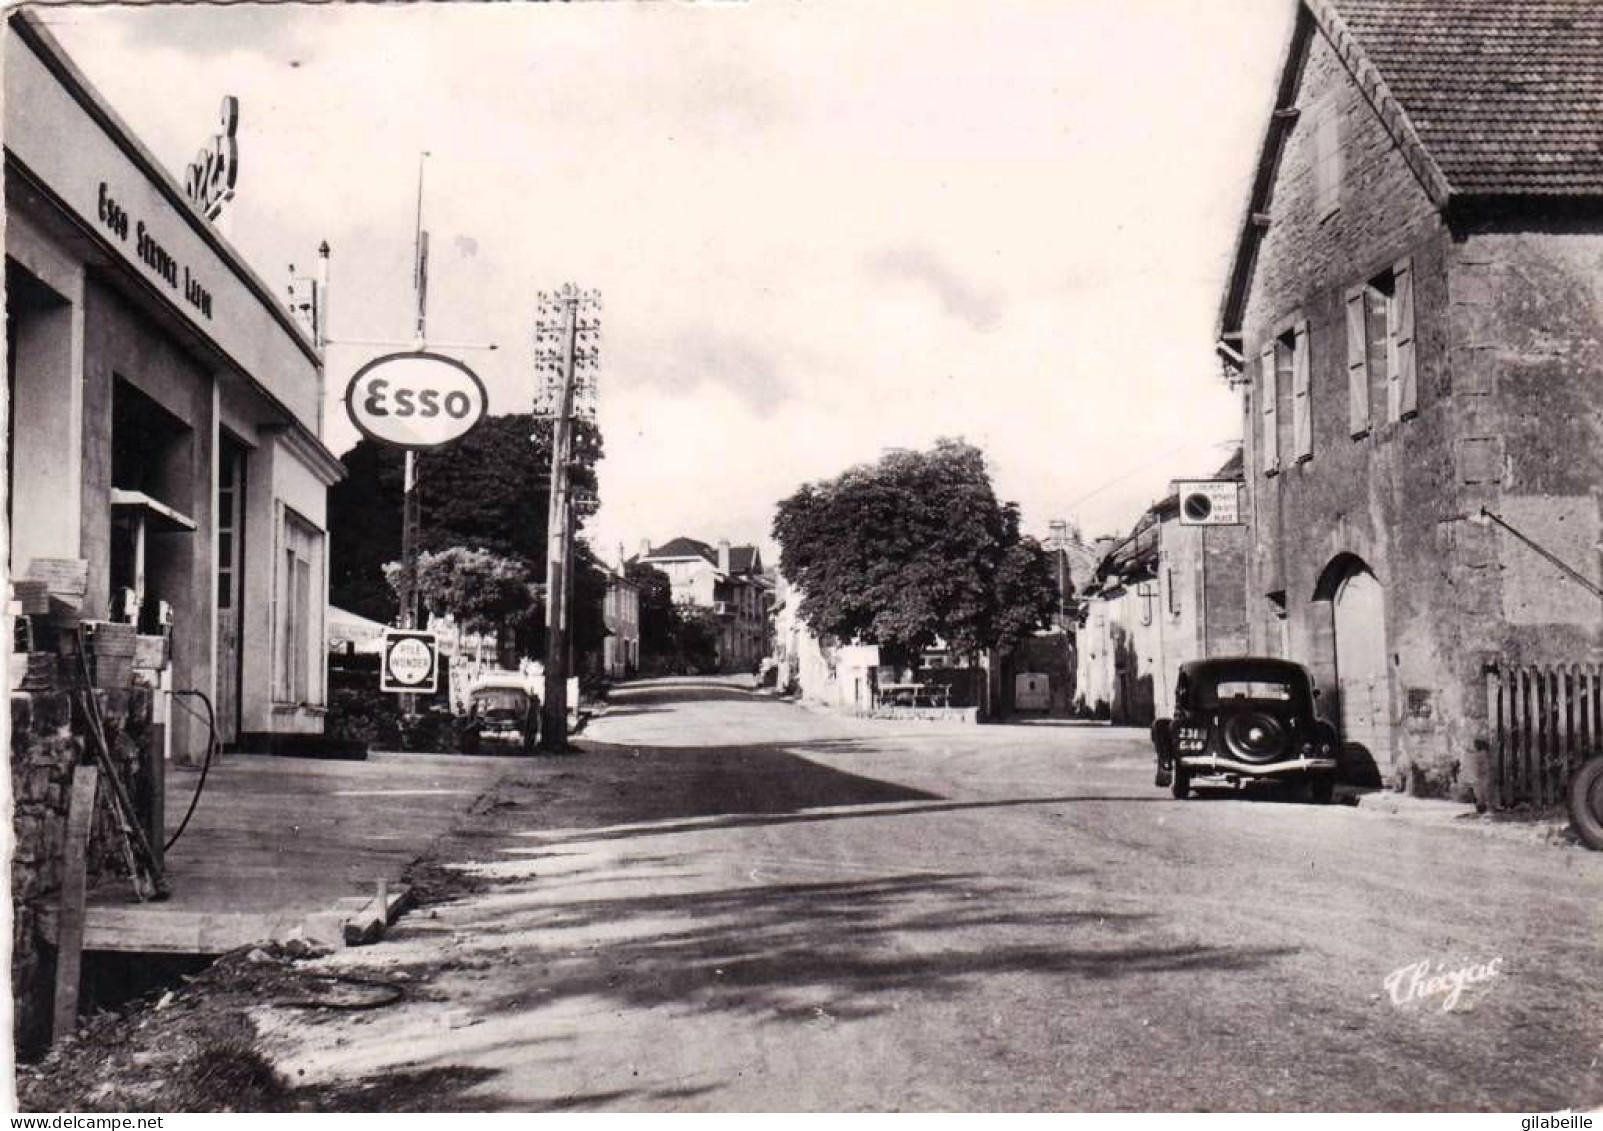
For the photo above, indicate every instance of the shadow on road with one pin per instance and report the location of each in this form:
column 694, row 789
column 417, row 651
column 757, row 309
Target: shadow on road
column 805, row 952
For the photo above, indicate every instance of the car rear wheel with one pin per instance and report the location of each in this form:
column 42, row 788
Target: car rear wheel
column 1320, row 789
column 1586, row 803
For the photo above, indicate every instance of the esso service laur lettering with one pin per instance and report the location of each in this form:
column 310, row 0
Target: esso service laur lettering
column 405, row 402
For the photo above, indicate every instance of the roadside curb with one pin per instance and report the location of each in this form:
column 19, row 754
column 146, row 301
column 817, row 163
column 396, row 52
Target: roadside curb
column 1553, row 831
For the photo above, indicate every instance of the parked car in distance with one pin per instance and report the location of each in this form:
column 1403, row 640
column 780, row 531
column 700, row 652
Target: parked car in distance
column 1242, row 719
column 501, row 708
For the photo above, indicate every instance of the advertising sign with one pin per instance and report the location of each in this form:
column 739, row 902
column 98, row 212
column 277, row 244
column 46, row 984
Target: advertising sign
column 415, row 400
column 411, row 662
column 1209, row 502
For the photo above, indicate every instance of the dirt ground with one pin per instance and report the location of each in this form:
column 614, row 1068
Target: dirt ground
column 729, row 903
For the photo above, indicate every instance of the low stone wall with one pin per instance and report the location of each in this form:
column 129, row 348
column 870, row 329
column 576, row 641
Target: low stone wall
column 46, row 746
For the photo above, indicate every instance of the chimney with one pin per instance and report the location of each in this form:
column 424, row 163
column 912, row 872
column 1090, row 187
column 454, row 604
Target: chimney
column 1060, row 533
column 645, row 547
column 623, row 561
column 723, row 555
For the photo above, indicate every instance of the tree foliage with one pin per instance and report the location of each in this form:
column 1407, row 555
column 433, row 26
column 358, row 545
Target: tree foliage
column 480, row 591
column 487, row 491
column 678, row 639
column 913, row 549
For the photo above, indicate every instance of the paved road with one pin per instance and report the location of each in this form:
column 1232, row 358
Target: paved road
column 730, row 902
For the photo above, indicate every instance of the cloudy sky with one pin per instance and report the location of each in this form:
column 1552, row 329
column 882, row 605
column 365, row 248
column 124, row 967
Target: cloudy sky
column 821, row 229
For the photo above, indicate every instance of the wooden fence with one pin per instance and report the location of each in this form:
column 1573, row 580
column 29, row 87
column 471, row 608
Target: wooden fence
column 1544, row 721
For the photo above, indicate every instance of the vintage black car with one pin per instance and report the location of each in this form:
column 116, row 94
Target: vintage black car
column 501, row 708
column 1242, row 719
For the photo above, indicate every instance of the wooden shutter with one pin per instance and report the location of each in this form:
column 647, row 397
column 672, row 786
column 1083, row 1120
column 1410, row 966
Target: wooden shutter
column 1271, row 426
column 1403, row 303
column 1302, row 416
column 1327, row 159
column 1357, row 364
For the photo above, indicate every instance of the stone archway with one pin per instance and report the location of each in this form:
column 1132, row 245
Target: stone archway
column 1362, row 673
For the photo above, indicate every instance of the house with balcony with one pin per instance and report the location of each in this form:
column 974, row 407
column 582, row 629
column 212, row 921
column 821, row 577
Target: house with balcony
column 726, row 581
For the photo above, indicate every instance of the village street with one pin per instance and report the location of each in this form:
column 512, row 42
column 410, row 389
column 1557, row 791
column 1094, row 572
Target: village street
column 729, row 902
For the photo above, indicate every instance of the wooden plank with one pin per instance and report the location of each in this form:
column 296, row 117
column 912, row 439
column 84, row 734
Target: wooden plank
column 69, row 934
column 1494, row 733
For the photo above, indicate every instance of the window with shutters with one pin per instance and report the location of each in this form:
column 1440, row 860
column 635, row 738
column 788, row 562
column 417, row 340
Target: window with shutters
column 1327, row 159
column 1380, row 347
column 1294, row 352
column 1402, row 384
column 1269, row 407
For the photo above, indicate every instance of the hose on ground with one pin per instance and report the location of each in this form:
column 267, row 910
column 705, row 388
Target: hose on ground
column 211, row 748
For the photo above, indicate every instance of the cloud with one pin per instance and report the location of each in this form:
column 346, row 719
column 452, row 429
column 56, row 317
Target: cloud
column 207, row 31
column 686, row 362
column 979, row 309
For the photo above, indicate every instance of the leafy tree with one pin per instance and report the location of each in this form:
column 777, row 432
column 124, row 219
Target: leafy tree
column 659, row 619
column 478, row 590
column 489, row 491
column 913, row 549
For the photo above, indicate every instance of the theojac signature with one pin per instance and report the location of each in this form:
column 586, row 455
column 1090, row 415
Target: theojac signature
column 1416, row 982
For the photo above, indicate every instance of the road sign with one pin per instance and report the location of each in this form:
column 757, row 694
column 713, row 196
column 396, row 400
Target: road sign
column 411, row 662
column 415, row 400
column 1209, row 502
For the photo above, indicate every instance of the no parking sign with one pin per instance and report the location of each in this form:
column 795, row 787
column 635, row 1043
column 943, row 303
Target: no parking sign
column 411, row 662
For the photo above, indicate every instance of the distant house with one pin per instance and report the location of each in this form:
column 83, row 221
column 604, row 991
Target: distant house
column 620, row 615
column 1415, row 315
column 820, row 671
column 729, row 582
column 1165, row 594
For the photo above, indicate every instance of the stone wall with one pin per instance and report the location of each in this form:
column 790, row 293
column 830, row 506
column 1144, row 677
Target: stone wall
column 1509, row 345
column 46, row 745
column 1375, row 498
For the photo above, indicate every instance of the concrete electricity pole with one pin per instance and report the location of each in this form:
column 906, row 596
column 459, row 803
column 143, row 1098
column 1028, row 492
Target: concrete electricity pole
column 566, row 351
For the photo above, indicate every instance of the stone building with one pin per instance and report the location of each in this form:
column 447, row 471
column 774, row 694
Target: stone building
column 1415, row 313
column 1166, row 594
column 620, row 616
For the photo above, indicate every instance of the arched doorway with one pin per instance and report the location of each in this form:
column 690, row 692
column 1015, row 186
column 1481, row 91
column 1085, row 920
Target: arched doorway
column 1363, row 676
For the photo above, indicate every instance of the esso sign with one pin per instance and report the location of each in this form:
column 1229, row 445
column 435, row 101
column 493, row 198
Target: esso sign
column 415, row 400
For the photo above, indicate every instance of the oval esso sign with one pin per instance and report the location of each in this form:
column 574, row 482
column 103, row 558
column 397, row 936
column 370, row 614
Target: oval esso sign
column 415, row 400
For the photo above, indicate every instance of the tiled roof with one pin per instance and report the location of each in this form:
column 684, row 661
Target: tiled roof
column 685, row 548
column 1506, row 95
column 742, row 559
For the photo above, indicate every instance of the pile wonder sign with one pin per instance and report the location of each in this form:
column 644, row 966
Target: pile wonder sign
column 415, row 400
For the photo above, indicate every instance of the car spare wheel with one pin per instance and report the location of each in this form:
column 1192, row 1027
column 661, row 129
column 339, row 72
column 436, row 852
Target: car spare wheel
column 1255, row 736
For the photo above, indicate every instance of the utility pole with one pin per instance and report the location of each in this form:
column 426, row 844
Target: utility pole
column 567, row 352
column 410, row 513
